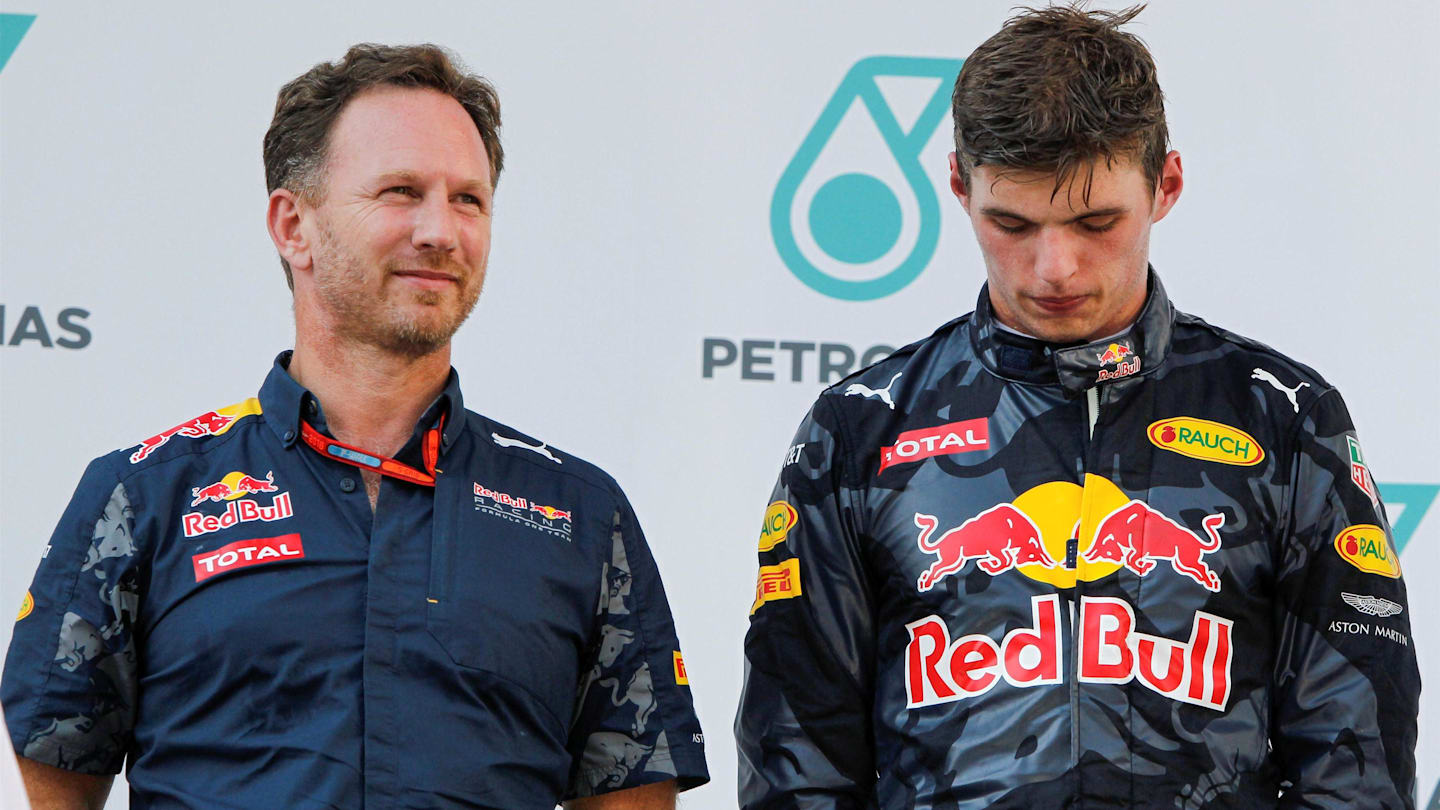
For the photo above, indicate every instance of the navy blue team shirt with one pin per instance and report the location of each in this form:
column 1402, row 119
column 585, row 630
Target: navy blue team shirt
column 221, row 611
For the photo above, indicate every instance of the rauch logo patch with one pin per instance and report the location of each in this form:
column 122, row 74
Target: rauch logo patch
column 780, row 518
column 1366, row 547
column 1206, row 440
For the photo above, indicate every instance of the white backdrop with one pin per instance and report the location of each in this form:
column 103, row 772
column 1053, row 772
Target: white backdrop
column 645, row 143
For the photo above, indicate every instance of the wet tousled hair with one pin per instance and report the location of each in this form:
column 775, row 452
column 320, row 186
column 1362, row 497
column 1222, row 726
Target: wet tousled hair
column 297, row 143
column 1056, row 90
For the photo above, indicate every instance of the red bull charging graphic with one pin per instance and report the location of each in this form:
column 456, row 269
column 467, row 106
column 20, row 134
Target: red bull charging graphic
column 1028, row 537
column 231, row 491
column 213, row 423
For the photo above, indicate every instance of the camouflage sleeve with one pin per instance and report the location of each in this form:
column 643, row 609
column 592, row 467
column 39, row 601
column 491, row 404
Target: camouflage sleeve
column 1347, row 686
column 634, row 718
column 69, row 687
column 803, row 728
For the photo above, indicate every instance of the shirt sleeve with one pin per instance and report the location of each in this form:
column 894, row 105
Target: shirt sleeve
column 1347, row 685
column 634, row 720
column 69, row 686
column 803, row 728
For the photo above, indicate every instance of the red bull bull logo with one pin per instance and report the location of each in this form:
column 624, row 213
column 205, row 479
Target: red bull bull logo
column 213, row 423
column 235, row 485
column 550, row 512
column 1111, row 651
column 1031, row 535
column 1115, row 353
column 998, row 539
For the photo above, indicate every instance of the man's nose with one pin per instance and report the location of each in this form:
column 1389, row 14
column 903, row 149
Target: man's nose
column 1056, row 255
column 435, row 226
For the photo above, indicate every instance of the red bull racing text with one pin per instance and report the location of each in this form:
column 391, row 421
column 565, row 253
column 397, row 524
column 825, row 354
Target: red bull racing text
column 1196, row 671
column 517, row 509
column 236, row 512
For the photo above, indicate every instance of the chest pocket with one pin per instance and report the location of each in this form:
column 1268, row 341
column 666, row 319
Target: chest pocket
column 513, row 591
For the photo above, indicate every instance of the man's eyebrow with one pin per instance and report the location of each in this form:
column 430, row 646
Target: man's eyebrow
column 997, row 211
column 410, row 178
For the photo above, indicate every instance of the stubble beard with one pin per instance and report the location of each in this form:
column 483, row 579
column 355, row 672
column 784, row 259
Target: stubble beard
column 385, row 322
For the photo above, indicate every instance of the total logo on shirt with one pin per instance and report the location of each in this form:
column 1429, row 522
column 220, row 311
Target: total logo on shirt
column 234, row 490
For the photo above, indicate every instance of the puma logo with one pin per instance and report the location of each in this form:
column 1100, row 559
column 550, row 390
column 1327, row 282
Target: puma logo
column 883, row 394
column 1263, row 375
column 541, row 448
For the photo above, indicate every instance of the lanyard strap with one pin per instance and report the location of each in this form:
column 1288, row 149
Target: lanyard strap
column 354, row 456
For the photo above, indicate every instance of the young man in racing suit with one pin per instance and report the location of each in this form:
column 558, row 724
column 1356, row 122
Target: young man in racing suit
column 1077, row 548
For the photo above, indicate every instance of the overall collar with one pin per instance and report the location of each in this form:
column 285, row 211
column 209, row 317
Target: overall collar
column 285, row 402
column 1125, row 357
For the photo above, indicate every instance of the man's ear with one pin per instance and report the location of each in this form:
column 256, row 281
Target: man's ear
column 1168, row 187
column 957, row 184
column 283, row 217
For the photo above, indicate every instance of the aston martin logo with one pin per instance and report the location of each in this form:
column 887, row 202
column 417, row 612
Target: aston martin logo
column 1372, row 605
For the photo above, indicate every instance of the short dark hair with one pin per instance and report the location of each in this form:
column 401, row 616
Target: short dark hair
column 1056, row 89
column 297, row 143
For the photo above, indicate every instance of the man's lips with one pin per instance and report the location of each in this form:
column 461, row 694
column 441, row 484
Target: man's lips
column 1059, row 304
column 428, row 279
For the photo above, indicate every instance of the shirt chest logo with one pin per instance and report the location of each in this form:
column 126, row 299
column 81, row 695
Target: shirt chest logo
column 918, row 445
column 1206, row 440
column 245, row 553
column 517, row 509
column 235, row 491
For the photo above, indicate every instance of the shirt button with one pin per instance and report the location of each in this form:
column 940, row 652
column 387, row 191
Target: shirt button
column 347, row 484
column 289, row 434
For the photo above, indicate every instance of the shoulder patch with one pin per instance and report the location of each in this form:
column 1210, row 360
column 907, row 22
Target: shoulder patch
column 780, row 518
column 777, row 582
column 1366, row 547
column 213, row 423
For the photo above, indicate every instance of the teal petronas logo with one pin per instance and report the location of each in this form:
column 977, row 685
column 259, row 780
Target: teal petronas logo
column 12, row 30
column 852, row 231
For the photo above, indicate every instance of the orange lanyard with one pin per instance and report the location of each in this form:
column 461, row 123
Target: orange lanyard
column 354, row 456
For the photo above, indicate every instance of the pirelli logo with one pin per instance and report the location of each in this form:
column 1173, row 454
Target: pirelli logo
column 777, row 582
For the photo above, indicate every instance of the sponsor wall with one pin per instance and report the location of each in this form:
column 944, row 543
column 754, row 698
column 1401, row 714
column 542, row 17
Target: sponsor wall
column 708, row 213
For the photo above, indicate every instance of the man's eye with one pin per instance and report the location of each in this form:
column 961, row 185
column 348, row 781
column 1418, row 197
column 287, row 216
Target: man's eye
column 405, row 190
column 1011, row 225
column 1099, row 226
column 471, row 199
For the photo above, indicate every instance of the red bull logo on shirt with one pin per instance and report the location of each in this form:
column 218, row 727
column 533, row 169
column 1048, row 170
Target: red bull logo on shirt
column 235, row 485
column 519, row 509
column 213, row 423
column 195, row 524
column 1114, row 355
column 1031, row 536
column 1195, row 671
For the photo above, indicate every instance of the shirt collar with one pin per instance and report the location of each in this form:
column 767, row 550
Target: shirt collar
column 1131, row 354
column 284, row 402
